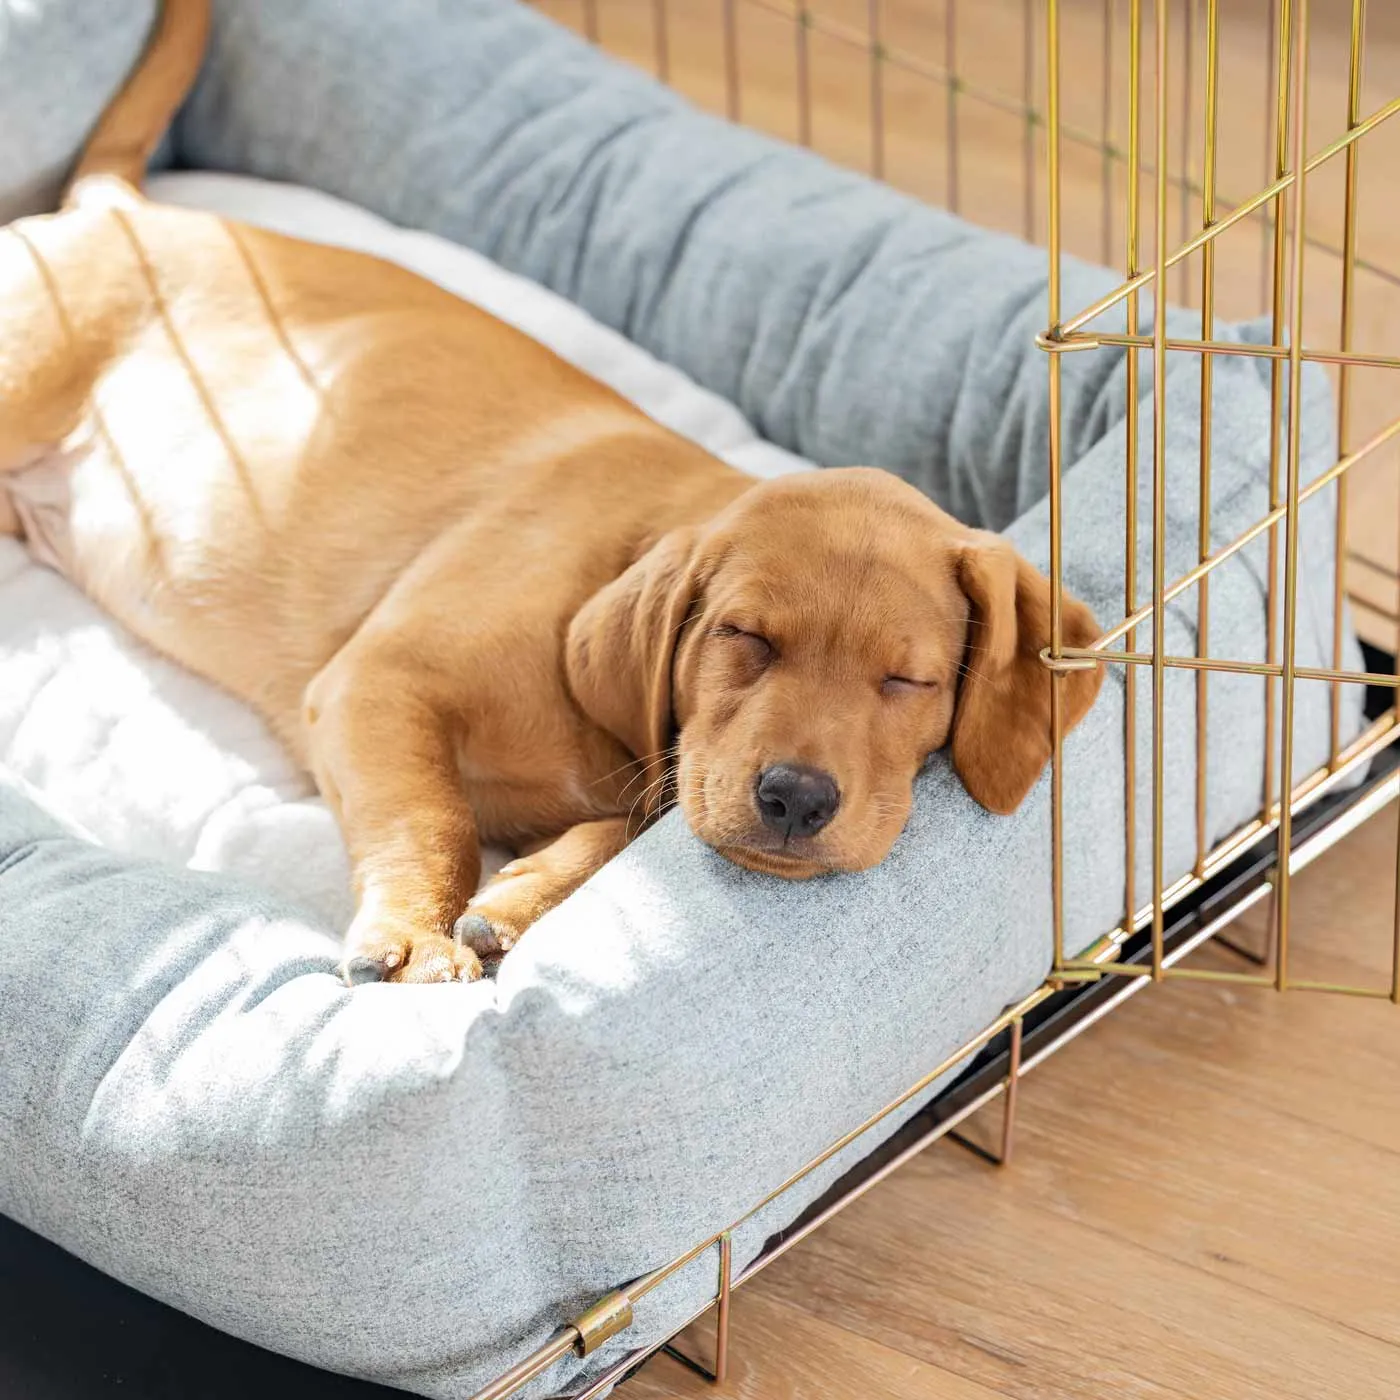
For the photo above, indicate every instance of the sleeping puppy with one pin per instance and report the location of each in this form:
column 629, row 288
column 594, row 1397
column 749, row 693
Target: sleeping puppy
column 478, row 595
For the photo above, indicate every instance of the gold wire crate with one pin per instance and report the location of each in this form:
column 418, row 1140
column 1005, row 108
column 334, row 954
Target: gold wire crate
column 1284, row 201
column 1130, row 134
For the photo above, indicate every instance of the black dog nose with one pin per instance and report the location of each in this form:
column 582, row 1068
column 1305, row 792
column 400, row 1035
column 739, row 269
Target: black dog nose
column 796, row 800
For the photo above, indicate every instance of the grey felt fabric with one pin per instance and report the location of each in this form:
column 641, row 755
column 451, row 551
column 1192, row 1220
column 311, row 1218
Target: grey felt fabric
column 60, row 63
column 420, row 1184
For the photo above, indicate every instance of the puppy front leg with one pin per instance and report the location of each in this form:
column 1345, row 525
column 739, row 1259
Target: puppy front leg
column 531, row 886
column 383, row 757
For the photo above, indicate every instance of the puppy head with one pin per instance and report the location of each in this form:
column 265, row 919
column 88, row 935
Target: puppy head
column 799, row 657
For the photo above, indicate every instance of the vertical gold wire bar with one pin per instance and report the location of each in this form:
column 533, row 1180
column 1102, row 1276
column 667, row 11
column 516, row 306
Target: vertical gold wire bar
column 950, row 47
column 1265, row 230
column 1358, row 29
column 590, row 20
column 1159, row 494
column 731, row 61
column 661, row 30
column 1131, row 425
column 1285, row 48
column 1057, row 776
column 1207, row 374
column 1282, row 85
column 1106, row 135
column 1188, row 18
column 804, row 79
column 1028, row 104
column 877, row 93
column 1395, row 931
column 1290, row 519
column 726, row 1274
column 1350, row 241
column 1013, row 1081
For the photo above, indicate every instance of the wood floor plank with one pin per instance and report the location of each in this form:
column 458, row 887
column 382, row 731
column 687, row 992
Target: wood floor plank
column 1195, row 1168
column 973, row 1277
column 781, row 1352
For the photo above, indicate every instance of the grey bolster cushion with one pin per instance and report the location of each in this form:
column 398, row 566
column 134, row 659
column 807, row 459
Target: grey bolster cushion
column 421, row 1184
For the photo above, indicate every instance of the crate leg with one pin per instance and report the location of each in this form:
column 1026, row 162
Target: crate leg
column 1001, row 1155
column 1260, row 956
column 720, row 1369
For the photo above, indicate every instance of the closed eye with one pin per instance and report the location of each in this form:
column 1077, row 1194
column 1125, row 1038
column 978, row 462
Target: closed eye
column 906, row 685
column 759, row 646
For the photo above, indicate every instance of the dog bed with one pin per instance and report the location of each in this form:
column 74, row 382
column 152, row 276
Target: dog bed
column 419, row 1184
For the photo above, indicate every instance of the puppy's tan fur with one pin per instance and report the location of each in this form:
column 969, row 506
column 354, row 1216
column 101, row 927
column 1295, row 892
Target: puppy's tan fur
column 477, row 594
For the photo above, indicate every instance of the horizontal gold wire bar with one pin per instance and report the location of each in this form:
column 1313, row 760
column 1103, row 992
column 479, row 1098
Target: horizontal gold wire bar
column 1247, row 979
column 1325, row 673
column 1085, row 972
column 1092, row 340
column 539, row 1361
column 1245, row 668
column 1239, row 212
column 1220, row 556
column 1303, row 984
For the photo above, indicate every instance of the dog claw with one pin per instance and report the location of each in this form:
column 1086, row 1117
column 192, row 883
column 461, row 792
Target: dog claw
column 361, row 970
column 477, row 933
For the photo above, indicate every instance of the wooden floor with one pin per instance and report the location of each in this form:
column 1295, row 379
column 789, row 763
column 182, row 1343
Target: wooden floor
column 1204, row 1204
column 1205, row 1200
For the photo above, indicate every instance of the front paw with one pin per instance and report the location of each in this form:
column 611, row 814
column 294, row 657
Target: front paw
column 404, row 956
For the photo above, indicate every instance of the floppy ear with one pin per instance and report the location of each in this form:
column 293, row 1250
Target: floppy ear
column 1001, row 727
column 621, row 644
